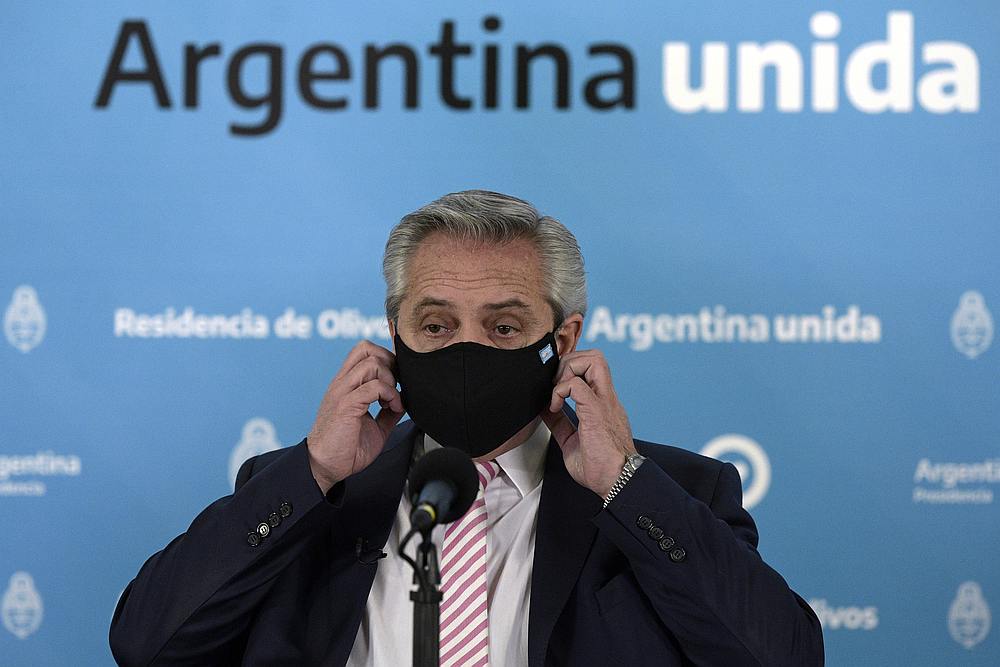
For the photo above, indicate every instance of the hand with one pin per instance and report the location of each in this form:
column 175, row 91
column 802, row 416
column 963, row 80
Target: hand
column 345, row 438
column 595, row 451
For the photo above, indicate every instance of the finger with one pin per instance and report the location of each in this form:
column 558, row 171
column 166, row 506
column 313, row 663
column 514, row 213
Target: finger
column 362, row 351
column 560, row 426
column 590, row 365
column 369, row 368
column 575, row 388
column 577, row 365
column 387, row 418
column 375, row 390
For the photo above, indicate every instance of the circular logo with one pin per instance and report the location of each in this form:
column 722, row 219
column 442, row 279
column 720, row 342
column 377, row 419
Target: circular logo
column 750, row 460
column 259, row 436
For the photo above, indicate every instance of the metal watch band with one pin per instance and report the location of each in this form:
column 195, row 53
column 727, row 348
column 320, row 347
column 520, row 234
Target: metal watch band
column 632, row 463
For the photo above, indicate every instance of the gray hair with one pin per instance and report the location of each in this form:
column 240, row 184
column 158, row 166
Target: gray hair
column 482, row 216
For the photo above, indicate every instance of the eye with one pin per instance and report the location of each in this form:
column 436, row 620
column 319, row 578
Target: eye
column 434, row 329
column 506, row 330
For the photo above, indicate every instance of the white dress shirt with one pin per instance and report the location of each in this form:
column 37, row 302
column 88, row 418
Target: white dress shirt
column 385, row 638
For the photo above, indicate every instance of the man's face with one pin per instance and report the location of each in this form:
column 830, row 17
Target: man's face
column 459, row 291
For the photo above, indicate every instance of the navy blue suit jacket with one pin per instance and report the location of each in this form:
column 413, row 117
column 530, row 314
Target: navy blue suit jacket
column 603, row 591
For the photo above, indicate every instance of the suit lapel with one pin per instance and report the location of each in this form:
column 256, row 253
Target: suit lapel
column 372, row 496
column 563, row 539
column 371, row 499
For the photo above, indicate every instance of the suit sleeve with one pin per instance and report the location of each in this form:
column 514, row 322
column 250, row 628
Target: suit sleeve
column 192, row 602
column 704, row 576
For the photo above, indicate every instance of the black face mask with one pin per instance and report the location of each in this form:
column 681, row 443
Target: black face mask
column 474, row 397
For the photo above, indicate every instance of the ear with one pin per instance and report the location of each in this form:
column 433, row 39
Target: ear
column 392, row 335
column 568, row 334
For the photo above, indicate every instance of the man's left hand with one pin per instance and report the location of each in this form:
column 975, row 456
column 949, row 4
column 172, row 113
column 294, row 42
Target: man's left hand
column 595, row 450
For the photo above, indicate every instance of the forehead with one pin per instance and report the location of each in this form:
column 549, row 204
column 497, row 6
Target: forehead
column 456, row 270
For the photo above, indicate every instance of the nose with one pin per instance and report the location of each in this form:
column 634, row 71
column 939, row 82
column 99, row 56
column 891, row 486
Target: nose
column 472, row 335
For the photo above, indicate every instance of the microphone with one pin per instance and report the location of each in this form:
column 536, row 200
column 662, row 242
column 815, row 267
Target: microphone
column 443, row 486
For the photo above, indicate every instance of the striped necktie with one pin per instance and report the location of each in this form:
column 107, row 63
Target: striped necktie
column 465, row 636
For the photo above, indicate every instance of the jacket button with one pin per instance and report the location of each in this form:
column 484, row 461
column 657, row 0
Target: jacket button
column 273, row 520
column 253, row 539
column 644, row 522
column 285, row 509
column 263, row 529
column 667, row 543
column 678, row 554
column 656, row 533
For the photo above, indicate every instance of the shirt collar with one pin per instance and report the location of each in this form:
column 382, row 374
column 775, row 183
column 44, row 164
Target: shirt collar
column 524, row 465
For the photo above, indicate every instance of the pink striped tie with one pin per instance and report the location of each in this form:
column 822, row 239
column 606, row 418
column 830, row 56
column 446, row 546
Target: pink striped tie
column 465, row 638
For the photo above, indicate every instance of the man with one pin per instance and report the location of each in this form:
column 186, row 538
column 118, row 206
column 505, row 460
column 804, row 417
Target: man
column 584, row 546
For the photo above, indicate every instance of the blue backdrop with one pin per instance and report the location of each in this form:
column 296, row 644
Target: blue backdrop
column 788, row 212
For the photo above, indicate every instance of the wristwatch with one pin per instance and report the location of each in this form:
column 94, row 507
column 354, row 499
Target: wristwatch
column 632, row 463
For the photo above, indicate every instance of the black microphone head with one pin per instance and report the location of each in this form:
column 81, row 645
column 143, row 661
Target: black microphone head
column 450, row 465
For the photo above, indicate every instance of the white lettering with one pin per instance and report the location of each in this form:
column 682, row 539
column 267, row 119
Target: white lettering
column 962, row 78
column 42, row 463
column 787, row 62
column 290, row 325
column 878, row 76
column 950, row 475
column 825, row 75
column 896, row 52
column 716, row 325
column 350, row 323
column 677, row 90
column 844, row 618
column 188, row 324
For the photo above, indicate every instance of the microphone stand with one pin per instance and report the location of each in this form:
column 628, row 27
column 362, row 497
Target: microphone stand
column 426, row 600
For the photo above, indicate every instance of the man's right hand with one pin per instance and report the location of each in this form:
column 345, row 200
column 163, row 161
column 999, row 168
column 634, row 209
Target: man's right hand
column 345, row 438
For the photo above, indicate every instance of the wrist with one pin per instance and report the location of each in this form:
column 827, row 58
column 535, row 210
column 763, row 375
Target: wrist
column 631, row 464
column 325, row 479
column 324, row 482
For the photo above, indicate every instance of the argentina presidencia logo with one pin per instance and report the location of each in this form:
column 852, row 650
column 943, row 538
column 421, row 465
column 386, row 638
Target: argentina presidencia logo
column 971, row 325
column 21, row 608
column 750, row 460
column 969, row 615
column 24, row 319
column 259, row 436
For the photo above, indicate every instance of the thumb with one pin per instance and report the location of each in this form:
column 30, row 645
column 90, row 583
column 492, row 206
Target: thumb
column 387, row 418
column 559, row 424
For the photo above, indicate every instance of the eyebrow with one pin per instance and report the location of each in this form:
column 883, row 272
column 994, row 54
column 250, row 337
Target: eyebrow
column 428, row 302
column 509, row 303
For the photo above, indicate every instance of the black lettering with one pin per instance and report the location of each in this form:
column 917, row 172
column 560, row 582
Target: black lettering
column 561, row 61
column 447, row 49
column 373, row 56
column 151, row 74
column 490, row 65
column 625, row 76
column 307, row 75
column 271, row 98
column 192, row 59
